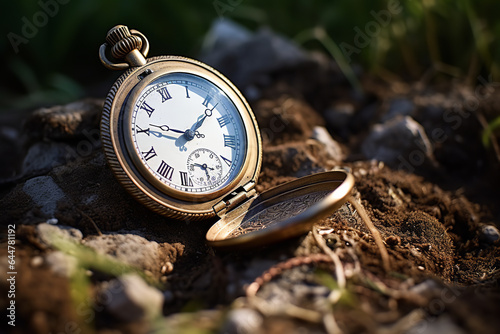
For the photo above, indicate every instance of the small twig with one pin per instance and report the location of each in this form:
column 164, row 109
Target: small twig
column 339, row 268
column 330, row 324
column 277, row 269
column 289, row 310
column 374, row 231
column 91, row 221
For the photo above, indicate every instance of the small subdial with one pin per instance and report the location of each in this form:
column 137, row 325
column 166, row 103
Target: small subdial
column 204, row 167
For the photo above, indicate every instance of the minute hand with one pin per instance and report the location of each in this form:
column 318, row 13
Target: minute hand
column 201, row 119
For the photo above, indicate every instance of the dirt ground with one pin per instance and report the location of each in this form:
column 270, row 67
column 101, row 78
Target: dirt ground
column 444, row 269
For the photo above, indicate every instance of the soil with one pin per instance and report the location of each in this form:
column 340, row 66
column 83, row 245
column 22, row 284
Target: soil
column 443, row 273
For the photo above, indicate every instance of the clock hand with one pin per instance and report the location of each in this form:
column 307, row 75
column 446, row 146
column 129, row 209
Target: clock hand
column 159, row 135
column 204, row 166
column 167, row 128
column 189, row 133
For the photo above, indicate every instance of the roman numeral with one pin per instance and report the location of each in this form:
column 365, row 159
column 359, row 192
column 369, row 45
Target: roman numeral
column 224, row 120
column 207, row 101
column 226, row 160
column 149, row 154
column 147, row 108
column 139, row 130
column 185, row 179
column 165, row 170
column 165, row 95
column 230, row 141
column 187, row 92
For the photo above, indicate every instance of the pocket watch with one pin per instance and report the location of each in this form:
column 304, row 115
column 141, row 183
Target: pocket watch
column 183, row 141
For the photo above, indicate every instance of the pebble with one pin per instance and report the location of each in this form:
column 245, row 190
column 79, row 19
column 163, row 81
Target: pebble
column 242, row 321
column 36, row 261
column 167, row 268
column 61, row 264
column 399, row 139
column 44, row 193
column 399, row 106
column 489, row 234
column 129, row 299
column 338, row 118
column 427, row 288
column 333, row 148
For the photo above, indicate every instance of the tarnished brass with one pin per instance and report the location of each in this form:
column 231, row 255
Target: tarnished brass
column 246, row 218
column 118, row 144
column 282, row 212
column 130, row 45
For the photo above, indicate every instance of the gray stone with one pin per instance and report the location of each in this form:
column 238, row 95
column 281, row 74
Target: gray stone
column 441, row 325
column 489, row 234
column 44, row 192
column 243, row 321
column 47, row 233
column 61, row 264
column 427, row 288
column 128, row 248
column 331, row 146
column 248, row 58
column 129, row 299
column 399, row 107
column 43, row 157
column 400, row 139
column 339, row 116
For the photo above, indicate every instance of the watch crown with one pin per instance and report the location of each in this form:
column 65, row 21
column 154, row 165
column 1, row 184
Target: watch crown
column 122, row 42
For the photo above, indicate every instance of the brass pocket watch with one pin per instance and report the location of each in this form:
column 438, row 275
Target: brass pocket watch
column 183, row 141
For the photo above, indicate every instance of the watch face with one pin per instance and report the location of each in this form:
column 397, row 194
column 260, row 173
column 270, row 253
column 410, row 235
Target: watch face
column 185, row 134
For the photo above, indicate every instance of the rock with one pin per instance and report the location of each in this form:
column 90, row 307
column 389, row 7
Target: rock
column 399, row 107
column 48, row 232
column 10, row 147
column 243, row 321
column 130, row 299
column 489, row 234
column 128, row 248
column 45, row 193
column 400, row 140
column 249, row 58
column 333, row 148
column 79, row 119
column 61, row 264
column 43, row 157
column 440, row 325
column 338, row 118
column 428, row 288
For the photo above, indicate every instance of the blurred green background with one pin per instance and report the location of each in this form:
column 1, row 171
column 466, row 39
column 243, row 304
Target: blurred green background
column 59, row 63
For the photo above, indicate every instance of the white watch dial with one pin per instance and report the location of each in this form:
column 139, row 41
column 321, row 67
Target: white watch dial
column 188, row 134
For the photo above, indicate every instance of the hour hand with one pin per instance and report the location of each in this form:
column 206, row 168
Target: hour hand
column 166, row 128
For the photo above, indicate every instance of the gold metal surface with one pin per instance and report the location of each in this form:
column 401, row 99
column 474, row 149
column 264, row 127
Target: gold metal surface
column 125, row 163
column 124, row 44
column 282, row 212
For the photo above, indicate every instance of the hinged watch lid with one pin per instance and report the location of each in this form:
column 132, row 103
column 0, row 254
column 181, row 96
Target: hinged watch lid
column 282, row 212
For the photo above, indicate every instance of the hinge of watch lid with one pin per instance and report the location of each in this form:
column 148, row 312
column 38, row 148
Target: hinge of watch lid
column 235, row 198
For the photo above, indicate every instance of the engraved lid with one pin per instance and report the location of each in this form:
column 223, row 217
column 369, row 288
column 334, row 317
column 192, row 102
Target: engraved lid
column 282, row 212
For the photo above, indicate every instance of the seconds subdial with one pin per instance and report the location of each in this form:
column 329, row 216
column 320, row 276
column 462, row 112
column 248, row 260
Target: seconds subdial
column 204, row 167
